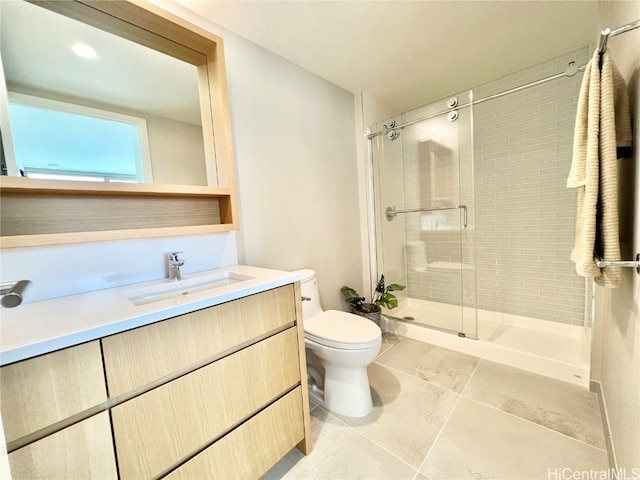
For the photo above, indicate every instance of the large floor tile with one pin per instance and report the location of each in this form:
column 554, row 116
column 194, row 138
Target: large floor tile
column 440, row 366
column 566, row 408
column 339, row 453
column 312, row 403
column 482, row 442
column 407, row 413
column 388, row 341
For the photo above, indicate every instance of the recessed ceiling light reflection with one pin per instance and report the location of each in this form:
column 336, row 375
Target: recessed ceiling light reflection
column 83, row 50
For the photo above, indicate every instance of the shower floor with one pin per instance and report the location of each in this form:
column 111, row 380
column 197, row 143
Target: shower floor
column 548, row 348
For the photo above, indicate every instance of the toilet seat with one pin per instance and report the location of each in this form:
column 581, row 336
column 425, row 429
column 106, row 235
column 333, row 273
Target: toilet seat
column 342, row 330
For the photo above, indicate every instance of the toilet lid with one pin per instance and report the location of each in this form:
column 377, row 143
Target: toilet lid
column 342, row 330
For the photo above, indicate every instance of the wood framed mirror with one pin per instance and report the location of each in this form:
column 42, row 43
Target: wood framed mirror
column 44, row 212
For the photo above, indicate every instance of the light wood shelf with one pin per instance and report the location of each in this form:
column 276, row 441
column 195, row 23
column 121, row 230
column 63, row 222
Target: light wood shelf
column 40, row 212
column 68, row 187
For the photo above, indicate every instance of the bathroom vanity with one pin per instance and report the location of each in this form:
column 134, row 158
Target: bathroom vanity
column 209, row 383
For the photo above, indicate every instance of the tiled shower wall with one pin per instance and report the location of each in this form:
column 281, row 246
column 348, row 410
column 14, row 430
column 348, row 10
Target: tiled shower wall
column 521, row 215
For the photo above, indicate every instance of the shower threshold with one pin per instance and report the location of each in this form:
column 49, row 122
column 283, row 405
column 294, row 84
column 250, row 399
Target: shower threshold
column 547, row 348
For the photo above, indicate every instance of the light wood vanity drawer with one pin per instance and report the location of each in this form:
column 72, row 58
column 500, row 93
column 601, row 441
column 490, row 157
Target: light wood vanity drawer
column 81, row 451
column 138, row 357
column 161, row 427
column 41, row 391
column 252, row 448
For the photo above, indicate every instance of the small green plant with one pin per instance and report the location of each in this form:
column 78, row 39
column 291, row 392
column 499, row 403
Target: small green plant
column 382, row 297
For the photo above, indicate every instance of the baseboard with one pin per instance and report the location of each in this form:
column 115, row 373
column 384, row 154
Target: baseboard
column 596, row 387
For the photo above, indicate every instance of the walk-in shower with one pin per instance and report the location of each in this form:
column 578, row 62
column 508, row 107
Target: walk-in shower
column 473, row 215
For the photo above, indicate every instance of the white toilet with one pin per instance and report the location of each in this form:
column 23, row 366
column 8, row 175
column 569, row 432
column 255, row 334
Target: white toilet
column 339, row 347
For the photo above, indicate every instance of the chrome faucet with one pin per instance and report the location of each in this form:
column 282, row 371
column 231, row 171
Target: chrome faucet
column 174, row 265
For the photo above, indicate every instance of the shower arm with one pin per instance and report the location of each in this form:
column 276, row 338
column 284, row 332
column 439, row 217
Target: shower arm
column 391, row 212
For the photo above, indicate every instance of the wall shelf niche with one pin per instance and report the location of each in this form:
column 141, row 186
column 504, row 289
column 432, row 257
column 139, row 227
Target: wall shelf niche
column 36, row 213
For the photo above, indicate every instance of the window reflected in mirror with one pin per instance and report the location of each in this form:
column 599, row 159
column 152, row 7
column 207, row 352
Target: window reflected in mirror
column 62, row 141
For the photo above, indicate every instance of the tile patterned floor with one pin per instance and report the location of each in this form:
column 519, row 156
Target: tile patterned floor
column 440, row 414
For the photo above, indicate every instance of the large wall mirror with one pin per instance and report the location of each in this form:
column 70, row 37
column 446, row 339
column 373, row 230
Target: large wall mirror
column 112, row 114
column 86, row 104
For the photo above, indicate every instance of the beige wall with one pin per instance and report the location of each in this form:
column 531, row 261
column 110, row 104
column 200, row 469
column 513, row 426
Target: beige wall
column 177, row 152
column 297, row 178
column 295, row 150
column 616, row 336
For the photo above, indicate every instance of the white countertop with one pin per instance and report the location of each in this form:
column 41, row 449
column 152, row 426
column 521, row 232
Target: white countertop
column 42, row 327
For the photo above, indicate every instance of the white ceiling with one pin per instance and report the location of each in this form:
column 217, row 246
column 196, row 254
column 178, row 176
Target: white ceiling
column 407, row 53
column 400, row 53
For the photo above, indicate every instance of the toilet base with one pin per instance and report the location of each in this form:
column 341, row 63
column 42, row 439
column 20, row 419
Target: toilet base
column 341, row 375
column 347, row 391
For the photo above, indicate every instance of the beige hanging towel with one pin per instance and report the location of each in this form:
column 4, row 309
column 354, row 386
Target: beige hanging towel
column 602, row 123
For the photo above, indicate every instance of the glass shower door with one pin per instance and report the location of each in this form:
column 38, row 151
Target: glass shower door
column 423, row 181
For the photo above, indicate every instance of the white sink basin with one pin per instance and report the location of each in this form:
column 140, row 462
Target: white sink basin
column 173, row 288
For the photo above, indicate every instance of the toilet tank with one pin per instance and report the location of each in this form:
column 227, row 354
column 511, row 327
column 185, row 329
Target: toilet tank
column 309, row 288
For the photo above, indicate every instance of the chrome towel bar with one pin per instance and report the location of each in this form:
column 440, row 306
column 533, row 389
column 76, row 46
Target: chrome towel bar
column 619, row 263
column 607, row 32
column 391, row 212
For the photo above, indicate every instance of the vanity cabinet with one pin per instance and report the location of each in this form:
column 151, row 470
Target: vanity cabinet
column 252, row 448
column 155, row 431
column 50, row 388
column 81, row 451
column 139, row 357
column 216, row 393
column 44, row 402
